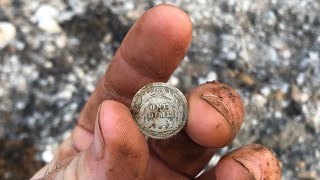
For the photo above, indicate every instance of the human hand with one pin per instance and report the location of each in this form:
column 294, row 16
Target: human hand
column 107, row 144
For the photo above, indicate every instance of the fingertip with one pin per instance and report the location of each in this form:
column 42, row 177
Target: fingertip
column 118, row 145
column 158, row 41
column 216, row 114
column 206, row 126
column 249, row 162
column 171, row 18
column 117, row 123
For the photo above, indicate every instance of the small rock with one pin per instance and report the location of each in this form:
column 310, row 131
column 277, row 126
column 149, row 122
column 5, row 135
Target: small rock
column 173, row 80
column 231, row 55
column 71, row 78
column 310, row 175
column 300, row 78
column 265, row 91
column 61, row 41
column 259, row 100
column 129, row 5
column 270, row 18
column 90, row 87
column 20, row 45
column 45, row 17
column 313, row 55
column 67, row 92
column 134, row 14
column 79, row 72
column 49, row 25
column 20, row 105
column 68, row 117
column 316, row 119
column 210, row 77
column 78, row 6
column 46, row 11
column 107, row 38
column 47, row 155
column 286, row 53
column 297, row 95
column 7, row 33
column 277, row 114
column 48, row 64
column 247, row 79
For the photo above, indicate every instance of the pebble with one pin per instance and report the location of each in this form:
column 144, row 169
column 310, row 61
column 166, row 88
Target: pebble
column 270, row 18
column 68, row 118
column 7, row 33
column 297, row 95
column 107, row 38
column 45, row 17
column 67, row 92
column 49, row 25
column 230, row 55
column 309, row 175
column 61, row 41
column 174, row 81
column 314, row 56
column 316, row 119
column 265, row 91
column 47, row 155
column 259, row 100
column 247, row 79
column 20, row 45
column 210, row 77
column 286, row 53
column 300, row 78
column 278, row 114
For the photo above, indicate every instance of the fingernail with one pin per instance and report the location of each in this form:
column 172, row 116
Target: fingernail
column 98, row 138
column 252, row 167
column 219, row 105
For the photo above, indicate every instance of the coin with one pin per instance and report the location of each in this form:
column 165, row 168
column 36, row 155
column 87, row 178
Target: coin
column 160, row 110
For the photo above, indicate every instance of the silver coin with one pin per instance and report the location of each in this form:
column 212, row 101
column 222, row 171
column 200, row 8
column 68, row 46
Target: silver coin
column 160, row 110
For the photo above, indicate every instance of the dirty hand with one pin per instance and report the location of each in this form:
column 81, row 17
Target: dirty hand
column 107, row 144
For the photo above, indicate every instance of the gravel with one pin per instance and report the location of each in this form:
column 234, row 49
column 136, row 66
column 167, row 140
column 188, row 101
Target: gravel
column 53, row 52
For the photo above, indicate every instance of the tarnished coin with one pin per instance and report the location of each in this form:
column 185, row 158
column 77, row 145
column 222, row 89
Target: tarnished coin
column 160, row 110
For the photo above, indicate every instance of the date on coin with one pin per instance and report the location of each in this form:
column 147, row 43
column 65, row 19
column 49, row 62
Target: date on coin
column 160, row 110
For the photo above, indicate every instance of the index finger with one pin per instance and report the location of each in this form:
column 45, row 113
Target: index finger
column 150, row 52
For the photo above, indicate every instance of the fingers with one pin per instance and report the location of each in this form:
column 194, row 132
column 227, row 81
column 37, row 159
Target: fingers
column 249, row 162
column 150, row 52
column 215, row 116
column 118, row 150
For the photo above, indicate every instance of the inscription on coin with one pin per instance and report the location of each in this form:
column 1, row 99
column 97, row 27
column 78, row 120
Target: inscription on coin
column 160, row 110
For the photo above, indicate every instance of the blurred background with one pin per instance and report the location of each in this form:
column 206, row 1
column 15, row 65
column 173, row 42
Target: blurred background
column 53, row 52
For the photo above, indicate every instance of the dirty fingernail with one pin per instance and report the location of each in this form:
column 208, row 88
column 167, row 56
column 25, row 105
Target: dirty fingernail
column 253, row 168
column 218, row 104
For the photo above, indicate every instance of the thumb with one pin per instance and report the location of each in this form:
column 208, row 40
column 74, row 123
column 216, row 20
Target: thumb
column 118, row 150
